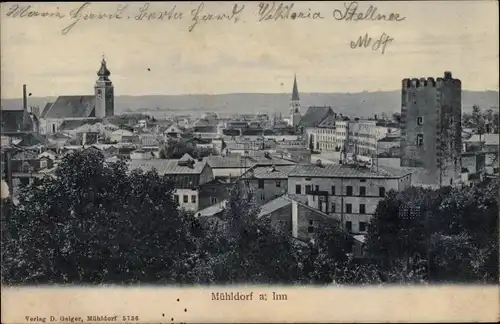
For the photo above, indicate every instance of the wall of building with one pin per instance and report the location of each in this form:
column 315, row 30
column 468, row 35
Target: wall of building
column 211, row 194
column 336, row 204
column 270, row 191
column 192, row 198
column 438, row 103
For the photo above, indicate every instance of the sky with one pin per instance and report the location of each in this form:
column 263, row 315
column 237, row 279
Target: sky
column 246, row 56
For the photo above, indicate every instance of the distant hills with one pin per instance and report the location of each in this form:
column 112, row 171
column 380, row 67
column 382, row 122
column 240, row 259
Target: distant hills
column 361, row 104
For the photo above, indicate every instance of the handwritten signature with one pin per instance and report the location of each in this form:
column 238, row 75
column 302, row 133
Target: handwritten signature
column 366, row 41
column 350, row 13
column 198, row 16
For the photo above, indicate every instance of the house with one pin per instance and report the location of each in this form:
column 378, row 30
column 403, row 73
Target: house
column 200, row 142
column 228, row 168
column 20, row 121
column 26, row 166
column 349, row 192
column 118, row 135
column 186, row 173
column 141, row 154
column 214, row 192
column 174, row 131
column 268, row 182
column 295, row 218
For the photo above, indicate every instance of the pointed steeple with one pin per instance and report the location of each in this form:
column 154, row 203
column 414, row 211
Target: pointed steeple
column 295, row 92
column 103, row 72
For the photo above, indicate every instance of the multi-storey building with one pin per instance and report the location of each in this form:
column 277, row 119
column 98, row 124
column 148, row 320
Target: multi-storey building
column 268, row 182
column 350, row 193
column 431, row 128
column 186, row 173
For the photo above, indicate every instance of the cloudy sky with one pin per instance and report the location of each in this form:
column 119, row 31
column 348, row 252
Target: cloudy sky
column 247, row 56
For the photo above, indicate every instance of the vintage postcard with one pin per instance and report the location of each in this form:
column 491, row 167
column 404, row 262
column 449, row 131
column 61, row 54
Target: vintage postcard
column 195, row 162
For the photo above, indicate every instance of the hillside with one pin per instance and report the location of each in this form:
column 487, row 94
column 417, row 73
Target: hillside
column 361, row 104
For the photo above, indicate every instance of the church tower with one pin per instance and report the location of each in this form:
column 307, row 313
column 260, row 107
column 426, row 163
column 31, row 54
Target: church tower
column 295, row 105
column 104, row 96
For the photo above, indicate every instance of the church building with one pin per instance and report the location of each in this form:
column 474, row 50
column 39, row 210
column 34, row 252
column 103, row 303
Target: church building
column 80, row 109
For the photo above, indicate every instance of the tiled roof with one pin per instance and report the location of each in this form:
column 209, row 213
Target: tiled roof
column 271, row 160
column 346, row 171
column 268, row 172
column 328, row 122
column 274, row 205
column 71, row 106
column 46, row 108
column 230, row 161
column 314, row 116
column 12, row 121
column 74, row 124
column 166, row 166
column 32, row 140
column 25, row 155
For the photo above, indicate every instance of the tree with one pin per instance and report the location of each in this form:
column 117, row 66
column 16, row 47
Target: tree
column 96, row 223
column 249, row 248
column 175, row 149
column 446, row 234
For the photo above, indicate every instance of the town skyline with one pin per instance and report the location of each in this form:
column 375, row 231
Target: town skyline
column 206, row 62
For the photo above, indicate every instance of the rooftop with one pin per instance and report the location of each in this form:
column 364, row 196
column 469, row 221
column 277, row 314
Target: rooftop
column 269, row 172
column 315, row 115
column 167, row 166
column 346, row 171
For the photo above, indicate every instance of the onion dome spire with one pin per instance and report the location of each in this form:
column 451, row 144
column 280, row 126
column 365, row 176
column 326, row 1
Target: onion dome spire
column 103, row 72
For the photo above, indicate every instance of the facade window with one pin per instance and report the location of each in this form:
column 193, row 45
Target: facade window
column 185, row 199
column 420, row 139
column 262, row 196
column 362, row 191
column 381, row 191
column 420, row 120
column 362, row 226
column 278, row 184
column 298, row 189
column 333, row 190
column 213, row 200
column 308, row 188
column 362, row 180
column 176, row 198
column 317, row 188
column 348, row 225
column 348, row 208
column 53, row 128
column 193, row 199
column 261, row 184
column 349, row 190
column 310, row 228
column 362, row 208
column 333, row 208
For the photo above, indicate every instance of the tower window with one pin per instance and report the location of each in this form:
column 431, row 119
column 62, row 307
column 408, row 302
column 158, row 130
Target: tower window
column 420, row 139
column 420, row 120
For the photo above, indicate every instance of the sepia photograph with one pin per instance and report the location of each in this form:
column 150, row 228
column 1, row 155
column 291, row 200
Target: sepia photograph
column 264, row 145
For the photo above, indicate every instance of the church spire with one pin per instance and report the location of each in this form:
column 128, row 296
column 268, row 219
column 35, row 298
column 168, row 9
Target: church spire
column 103, row 72
column 295, row 92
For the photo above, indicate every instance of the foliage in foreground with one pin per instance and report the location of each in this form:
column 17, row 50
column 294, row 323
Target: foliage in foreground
column 97, row 223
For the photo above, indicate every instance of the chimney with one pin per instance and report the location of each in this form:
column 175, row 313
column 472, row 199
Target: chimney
column 25, row 99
